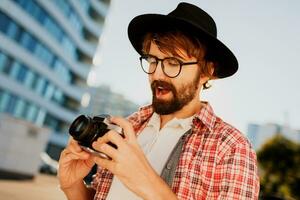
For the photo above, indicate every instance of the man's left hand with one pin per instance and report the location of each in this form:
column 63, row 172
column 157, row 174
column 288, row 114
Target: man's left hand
column 128, row 161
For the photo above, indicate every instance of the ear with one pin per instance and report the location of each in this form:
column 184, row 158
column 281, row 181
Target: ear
column 211, row 68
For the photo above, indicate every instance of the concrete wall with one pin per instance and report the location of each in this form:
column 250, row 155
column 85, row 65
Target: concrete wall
column 21, row 143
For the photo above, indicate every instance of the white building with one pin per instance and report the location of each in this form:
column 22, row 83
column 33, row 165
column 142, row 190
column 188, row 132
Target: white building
column 46, row 52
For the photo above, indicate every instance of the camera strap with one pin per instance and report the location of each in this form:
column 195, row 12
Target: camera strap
column 168, row 171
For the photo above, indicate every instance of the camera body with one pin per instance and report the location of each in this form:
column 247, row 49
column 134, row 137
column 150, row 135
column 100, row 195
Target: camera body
column 85, row 130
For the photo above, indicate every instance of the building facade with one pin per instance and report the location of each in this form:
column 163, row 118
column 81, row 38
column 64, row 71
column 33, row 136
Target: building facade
column 102, row 100
column 46, row 53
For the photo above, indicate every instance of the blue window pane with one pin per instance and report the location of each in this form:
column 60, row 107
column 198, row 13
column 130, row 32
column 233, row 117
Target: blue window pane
column 25, row 110
column 53, row 28
column 3, row 61
column 15, row 67
column 32, row 113
column 49, row 91
column 40, row 85
column 29, row 79
column 51, row 122
column 27, row 41
column 43, row 54
column 62, row 71
column 4, row 22
column 34, row 83
column 22, row 73
column 58, row 97
column 69, row 46
column 11, row 104
column 4, row 101
column 45, row 86
column 6, row 65
column 13, row 30
column 20, row 106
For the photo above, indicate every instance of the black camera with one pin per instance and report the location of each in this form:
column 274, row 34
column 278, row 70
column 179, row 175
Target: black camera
column 85, row 130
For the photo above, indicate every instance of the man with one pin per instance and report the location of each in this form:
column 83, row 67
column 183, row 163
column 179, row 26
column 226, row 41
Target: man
column 175, row 148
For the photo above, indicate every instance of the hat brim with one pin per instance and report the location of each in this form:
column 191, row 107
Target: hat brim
column 143, row 24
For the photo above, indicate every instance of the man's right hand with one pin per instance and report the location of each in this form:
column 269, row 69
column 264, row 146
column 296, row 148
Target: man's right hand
column 74, row 165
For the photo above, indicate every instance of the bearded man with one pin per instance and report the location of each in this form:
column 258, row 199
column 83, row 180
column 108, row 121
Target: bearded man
column 175, row 148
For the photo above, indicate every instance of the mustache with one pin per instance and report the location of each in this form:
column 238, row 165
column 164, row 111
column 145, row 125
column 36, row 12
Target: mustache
column 159, row 83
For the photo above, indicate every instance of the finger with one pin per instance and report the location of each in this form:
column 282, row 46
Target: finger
column 105, row 163
column 74, row 144
column 82, row 155
column 110, row 136
column 67, row 156
column 108, row 150
column 125, row 125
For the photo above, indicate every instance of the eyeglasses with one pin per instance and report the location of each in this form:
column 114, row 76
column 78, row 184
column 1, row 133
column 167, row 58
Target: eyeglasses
column 170, row 66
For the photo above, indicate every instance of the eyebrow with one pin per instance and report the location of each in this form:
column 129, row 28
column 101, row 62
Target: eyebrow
column 180, row 59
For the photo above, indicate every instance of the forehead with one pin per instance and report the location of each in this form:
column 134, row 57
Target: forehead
column 162, row 53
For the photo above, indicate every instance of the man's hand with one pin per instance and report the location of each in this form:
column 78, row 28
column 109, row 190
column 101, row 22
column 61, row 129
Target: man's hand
column 129, row 163
column 74, row 165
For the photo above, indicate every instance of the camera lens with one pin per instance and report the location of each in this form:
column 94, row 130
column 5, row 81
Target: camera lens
column 82, row 130
column 79, row 125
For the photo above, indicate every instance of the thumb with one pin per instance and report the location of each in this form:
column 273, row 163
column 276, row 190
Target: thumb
column 126, row 126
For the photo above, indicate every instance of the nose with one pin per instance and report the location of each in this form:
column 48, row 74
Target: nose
column 159, row 74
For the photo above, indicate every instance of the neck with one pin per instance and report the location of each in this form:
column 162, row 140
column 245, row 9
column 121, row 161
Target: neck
column 187, row 111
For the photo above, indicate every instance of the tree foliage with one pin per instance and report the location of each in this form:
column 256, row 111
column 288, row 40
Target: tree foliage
column 279, row 161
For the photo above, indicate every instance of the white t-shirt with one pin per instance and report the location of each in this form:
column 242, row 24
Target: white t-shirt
column 157, row 146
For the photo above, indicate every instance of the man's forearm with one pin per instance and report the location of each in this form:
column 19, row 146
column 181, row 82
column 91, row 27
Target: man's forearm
column 159, row 190
column 79, row 192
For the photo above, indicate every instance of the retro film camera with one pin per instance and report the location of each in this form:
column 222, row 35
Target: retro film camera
column 85, row 130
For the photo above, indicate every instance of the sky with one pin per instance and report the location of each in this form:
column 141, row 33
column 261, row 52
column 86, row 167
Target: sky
column 264, row 36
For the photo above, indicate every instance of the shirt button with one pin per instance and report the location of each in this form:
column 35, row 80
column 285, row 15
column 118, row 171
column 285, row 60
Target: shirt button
column 169, row 166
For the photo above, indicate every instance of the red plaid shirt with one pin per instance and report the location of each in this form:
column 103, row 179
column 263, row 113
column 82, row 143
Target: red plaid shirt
column 217, row 161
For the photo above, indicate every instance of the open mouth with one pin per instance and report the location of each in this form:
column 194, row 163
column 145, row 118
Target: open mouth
column 160, row 90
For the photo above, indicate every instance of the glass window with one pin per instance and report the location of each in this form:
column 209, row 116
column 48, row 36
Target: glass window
column 44, row 90
column 76, row 22
column 43, row 54
column 3, row 61
column 15, row 67
column 69, row 47
column 4, row 101
column 34, row 81
column 6, row 67
column 12, row 30
column 22, row 73
column 32, row 113
column 4, row 22
column 40, row 85
column 11, row 104
column 49, row 91
column 64, row 6
column 29, row 78
column 22, row 3
column 42, row 17
column 85, row 5
column 25, row 110
column 27, row 41
column 51, row 122
column 53, row 28
column 58, row 96
column 20, row 106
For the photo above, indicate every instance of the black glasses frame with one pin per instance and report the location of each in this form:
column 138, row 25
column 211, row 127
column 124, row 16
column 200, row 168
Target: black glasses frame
column 181, row 63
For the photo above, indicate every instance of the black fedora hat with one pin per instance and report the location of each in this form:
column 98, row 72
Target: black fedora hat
column 188, row 18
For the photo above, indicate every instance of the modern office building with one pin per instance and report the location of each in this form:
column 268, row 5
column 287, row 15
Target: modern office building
column 259, row 134
column 103, row 100
column 46, row 51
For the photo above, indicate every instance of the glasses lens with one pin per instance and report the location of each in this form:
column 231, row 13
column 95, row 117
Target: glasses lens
column 171, row 66
column 148, row 64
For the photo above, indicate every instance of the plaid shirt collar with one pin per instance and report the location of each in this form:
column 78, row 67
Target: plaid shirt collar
column 205, row 115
